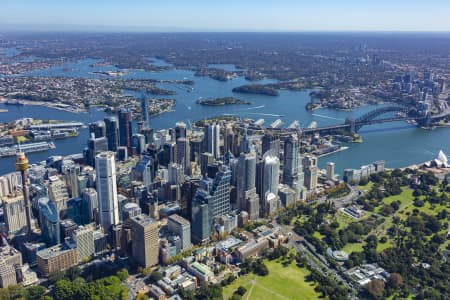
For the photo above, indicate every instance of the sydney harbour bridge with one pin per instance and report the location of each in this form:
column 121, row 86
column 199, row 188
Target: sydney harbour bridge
column 396, row 113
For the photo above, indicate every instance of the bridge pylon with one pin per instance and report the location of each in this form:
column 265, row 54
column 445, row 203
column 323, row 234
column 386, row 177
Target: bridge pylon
column 352, row 124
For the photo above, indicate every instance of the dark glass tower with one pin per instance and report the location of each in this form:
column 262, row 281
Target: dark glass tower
column 112, row 133
column 125, row 129
column 49, row 221
column 98, row 129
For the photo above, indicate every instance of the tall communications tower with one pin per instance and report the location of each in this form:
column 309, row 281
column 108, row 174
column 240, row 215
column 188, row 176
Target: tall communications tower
column 22, row 167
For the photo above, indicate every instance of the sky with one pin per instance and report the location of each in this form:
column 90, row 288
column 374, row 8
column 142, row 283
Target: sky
column 225, row 15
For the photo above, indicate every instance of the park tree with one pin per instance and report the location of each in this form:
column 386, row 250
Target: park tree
column 141, row 296
column 122, row 274
column 395, row 280
column 241, row 290
column 35, row 292
column 155, row 276
column 64, row 290
column 375, row 288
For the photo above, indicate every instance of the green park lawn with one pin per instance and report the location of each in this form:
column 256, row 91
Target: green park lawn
column 281, row 283
column 353, row 247
column 318, row 235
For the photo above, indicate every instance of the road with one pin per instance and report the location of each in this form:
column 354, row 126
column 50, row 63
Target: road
column 354, row 194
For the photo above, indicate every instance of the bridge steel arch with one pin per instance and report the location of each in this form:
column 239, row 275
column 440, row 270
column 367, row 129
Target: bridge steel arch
column 371, row 115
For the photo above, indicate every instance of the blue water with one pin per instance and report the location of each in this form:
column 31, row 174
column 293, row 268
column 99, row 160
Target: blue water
column 399, row 144
column 226, row 67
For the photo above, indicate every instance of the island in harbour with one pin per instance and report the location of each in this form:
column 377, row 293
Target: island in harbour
column 256, row 89
column 222, row 101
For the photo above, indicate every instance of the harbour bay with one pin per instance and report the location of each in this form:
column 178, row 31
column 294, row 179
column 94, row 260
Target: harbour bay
column 399, row 143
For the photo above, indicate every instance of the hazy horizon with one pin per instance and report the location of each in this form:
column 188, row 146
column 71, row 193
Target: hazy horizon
column 230, row 16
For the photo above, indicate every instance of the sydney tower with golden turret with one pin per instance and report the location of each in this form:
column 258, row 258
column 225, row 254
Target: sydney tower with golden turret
column 22, row 167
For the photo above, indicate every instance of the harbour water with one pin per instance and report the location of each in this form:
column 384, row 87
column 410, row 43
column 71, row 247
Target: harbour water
column 399, row 144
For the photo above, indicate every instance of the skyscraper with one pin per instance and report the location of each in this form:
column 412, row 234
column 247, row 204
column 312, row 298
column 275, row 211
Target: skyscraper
column 148, row 133
column 98, row 129
column 330, row 170
column 14, row 214
column 270, row 141
column 201, row 226
column 112, row 133
column 58, row 192
column 206, row 158
column 138, row 143
column 107, row 189
column 181, row 227
column 125, row 129
column 271, row 174
column 49, row 220
column 212, row 139
column 246, row 176
column 145, row 170
column 144, row 234
column 72, row 171
column 180, row 130
column 90, row 201
column 211, row 200
column 195, row 148
column 310, row 169
column 292, row 165
column 84, row 239
column 269, row 194
column 144, row 111
column 95, row 146
column 220, row 193
column 9, row 183
column 182, row 155
column 176, row 173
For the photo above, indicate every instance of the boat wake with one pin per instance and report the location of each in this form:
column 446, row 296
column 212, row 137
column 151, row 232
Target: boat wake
column 256, row 107
column 327, row 117
column 263, row 114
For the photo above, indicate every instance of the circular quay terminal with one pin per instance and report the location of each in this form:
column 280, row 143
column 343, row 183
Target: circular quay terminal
column 235, row 150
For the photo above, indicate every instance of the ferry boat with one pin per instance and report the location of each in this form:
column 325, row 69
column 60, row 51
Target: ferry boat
column 14, row 102
column 27, row 148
